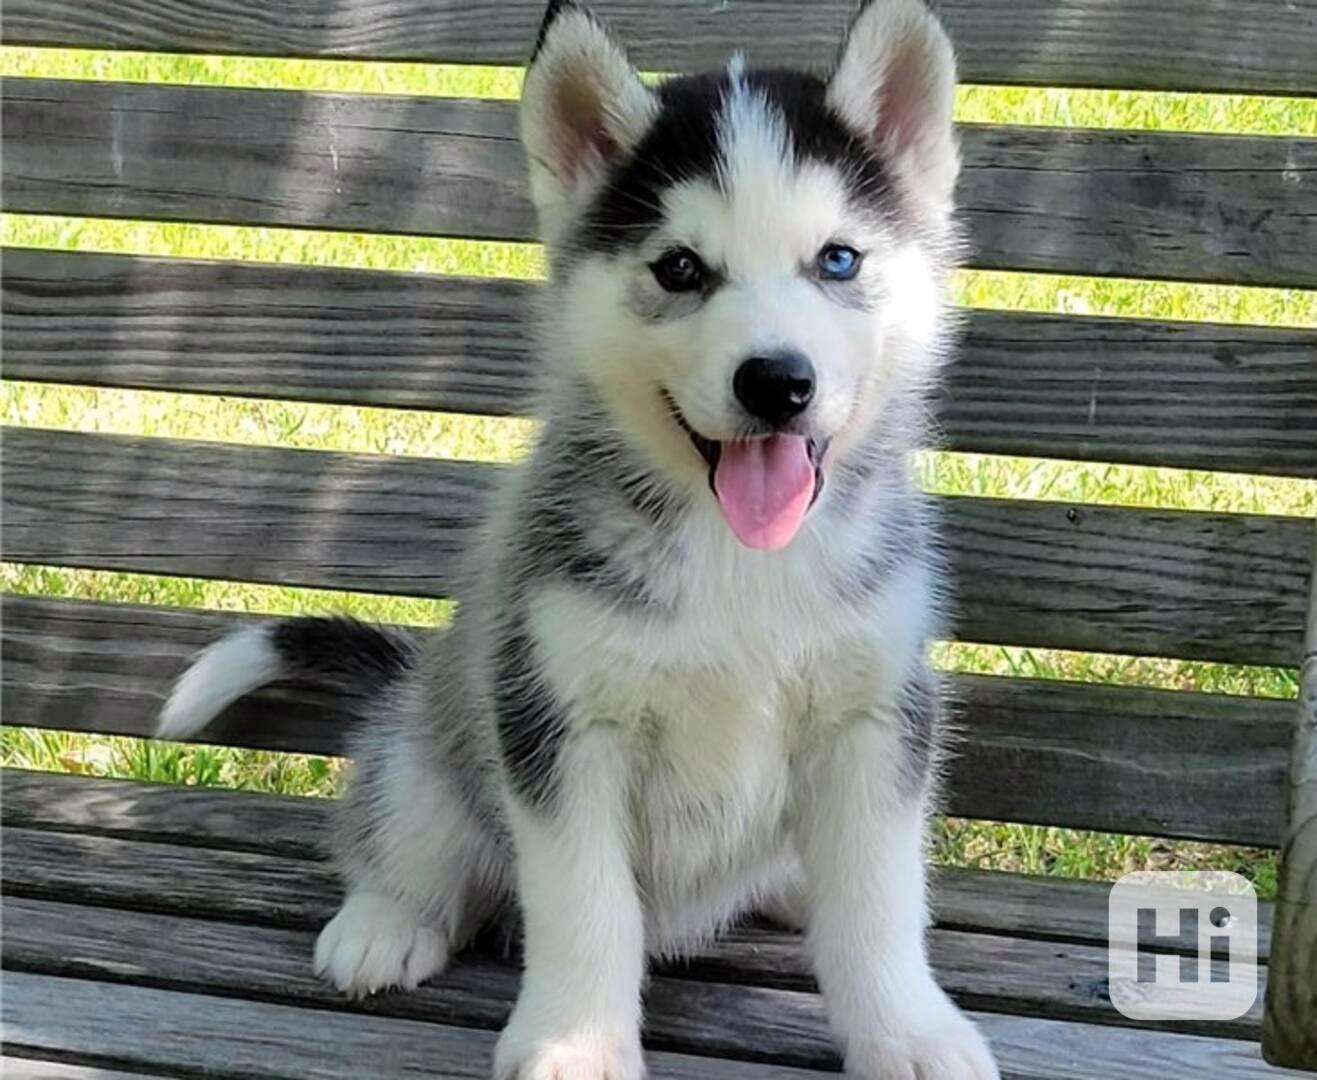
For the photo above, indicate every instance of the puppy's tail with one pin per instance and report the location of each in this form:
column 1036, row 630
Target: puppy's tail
column 335, row 653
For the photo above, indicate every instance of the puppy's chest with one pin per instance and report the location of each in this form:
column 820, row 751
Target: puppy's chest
column 712, row 780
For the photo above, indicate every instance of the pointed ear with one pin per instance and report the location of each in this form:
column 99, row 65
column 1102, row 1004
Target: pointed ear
column 582, row 107
column 895, row 85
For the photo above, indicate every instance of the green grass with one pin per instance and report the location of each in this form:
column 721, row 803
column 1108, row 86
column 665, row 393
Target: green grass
column 386, row 431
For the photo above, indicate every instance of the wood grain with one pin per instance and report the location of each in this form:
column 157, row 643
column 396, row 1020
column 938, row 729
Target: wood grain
column 258, row 1040
column 1166, row 583
column 1114, row 758
column 206, row 817
column 1119, row 759
column 1192, row 207
column 255, row 1039
column 1246, row 46
column 727, row 1004
column 13, row 1068
column 243, row 886
column 1290, row 1034
column 748, row 1023
column 1190, row 395
column 970, row 901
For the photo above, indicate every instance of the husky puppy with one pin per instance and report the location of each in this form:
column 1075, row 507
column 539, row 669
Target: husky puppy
column 687, row 673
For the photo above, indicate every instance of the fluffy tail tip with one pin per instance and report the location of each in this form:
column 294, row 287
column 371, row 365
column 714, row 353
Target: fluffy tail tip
column 221, row 674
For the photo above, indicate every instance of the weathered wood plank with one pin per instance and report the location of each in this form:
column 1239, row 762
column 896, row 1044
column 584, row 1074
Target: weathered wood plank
column 1108, row 579
column 209, row 817
column 771, row 1016
column 1191, row 395
column 292, row 332
column 13, row 1068
column 95, row 865
column 228, row 1037
column 1114, row 758
column 1182, row 394
column 1208, row 208
column 257, row 1039
column 192, row 955
column 1246, row 46
column 1290, row 1035
column 1120, row 759
column 107, row 667
column 1205, row 586
column 374, row 523
column 169, row 878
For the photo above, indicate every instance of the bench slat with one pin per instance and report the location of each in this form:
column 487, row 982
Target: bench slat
column 975, row 902
column 1246, row 46
column 201, row 1033
column 1204, row 208
column 1167, row 583
column 772, row 1014
column 1120, row 759
column 753, row 1023
column 65, row 1016
column 1136, row 391
column 13, row 1068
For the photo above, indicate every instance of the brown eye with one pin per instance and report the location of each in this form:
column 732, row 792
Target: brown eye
column 679, row 270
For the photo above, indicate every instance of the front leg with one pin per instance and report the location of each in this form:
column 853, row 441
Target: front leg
column 861, row 840
column 578, row 1014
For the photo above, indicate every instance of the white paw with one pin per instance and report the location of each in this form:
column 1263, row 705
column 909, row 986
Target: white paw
column 943, row 1045
column 375, row 943
column 522, row 1055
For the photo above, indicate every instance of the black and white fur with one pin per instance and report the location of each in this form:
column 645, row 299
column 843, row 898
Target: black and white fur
column 639, row 729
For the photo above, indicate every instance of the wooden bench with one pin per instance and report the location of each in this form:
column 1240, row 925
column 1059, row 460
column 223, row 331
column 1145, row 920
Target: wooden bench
column 167, row 931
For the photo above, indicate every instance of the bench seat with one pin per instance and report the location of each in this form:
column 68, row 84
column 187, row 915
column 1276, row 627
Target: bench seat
column 152, row 930
column 190, row 913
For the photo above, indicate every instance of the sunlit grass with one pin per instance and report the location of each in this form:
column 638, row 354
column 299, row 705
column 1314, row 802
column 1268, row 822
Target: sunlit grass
column 113, row 586
column 256, row 422
column 255, row 243
column 263, row 73
column 1044, row 106
column 115, row 757
column 1078, row 853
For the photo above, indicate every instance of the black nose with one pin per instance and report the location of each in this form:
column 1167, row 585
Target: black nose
column 775, row 388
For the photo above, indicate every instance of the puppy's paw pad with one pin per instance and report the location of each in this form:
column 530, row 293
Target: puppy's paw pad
column 568, row 1058
column 374, row 943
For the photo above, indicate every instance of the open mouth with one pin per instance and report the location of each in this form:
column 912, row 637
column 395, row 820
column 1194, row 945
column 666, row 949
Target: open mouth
column 764, row 485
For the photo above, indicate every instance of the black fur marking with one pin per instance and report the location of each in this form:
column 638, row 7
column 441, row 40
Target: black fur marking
column 342, row 652
column 682, row 144
column 819, row 134
column 920, row 708
column 531, row 726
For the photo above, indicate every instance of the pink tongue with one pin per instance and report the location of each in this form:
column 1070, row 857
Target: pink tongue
column 764, row 487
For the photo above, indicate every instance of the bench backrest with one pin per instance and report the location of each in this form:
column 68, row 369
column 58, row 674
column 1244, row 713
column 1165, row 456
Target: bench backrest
column 1222, row 209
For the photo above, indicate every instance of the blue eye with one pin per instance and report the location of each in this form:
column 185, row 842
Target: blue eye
column 837, row 262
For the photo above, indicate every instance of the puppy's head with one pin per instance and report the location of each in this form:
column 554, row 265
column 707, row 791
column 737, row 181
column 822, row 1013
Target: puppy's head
column 746, row 263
